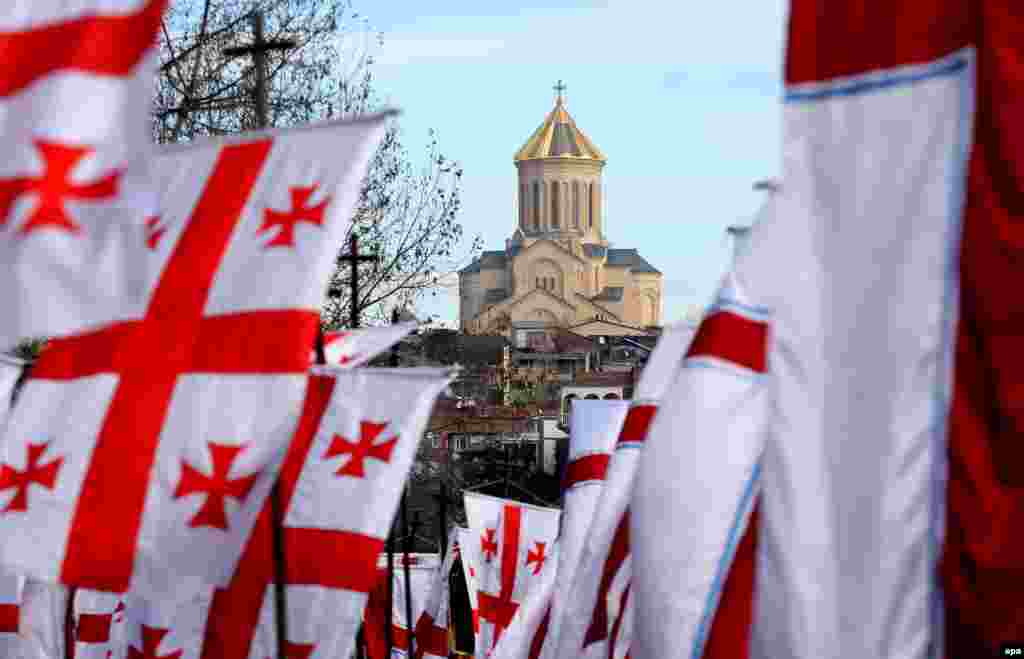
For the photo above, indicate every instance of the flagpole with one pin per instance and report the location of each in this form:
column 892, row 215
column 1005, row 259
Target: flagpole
column 409, row 622
column 69, row 624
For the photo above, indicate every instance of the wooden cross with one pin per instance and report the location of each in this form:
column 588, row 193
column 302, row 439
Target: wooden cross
column 258, row 49
column 354, row 258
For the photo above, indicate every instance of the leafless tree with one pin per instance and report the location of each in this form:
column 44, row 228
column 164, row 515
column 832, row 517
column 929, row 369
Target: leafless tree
column 407, row 211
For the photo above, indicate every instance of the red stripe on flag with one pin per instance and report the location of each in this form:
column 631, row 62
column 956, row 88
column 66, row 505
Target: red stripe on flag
column 540, row 635
column 598, row 630
column 9, row 618
column 830, row 39
column 510, row 550
column 730, row 628
column 638, row 420
column 587, row 468
column 93, row 627
column 333, row 559
column 617, row 626
column 101, row 45
column 235, row 610
column 109, row 509
column 733, row 338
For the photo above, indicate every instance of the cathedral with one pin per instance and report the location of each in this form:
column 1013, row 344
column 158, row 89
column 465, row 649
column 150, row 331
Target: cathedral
column 558, row 269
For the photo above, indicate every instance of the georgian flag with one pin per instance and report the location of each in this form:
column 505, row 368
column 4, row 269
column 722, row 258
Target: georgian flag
column 696, row 488
column 594, row 427
column 513, row 543
column 338, row 491
column 524, row 636
column 42, row 617
column 601, row 583
column 423, row 571
column 158, row 437
column 432, row 624
column 356, row 347
column 76, row 82
column 166, row 628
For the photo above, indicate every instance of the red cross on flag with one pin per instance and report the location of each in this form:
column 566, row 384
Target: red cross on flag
column 75, row 87
column 515, row 541
column 335, row 515
column 594, row 427
column 99, row 625
column 710, row 430
column 159, row 436
column 352, row 348
column 423, row 570
column 603, row 572
column 528, row 629
column 432, row 624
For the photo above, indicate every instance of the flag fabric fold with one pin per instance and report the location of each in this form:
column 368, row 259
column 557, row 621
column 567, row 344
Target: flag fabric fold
column 159, row 436
column 423, row 571
column 99, row 625
column 470, row 569
column 600, row 586
column 594, row 427
column 74, row 189
column 356, row 347
column 432, row 624
column 10, row 371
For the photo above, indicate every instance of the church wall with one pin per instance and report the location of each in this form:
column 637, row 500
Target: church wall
column 562, row 200
column 470, row 297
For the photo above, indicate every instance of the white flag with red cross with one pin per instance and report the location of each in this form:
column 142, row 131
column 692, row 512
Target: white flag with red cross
column 356, row 347
column 76, row 84
column 601, row 585
column 159, row 436
column 514, row 542
column 697, row 484
column 594, row 427
column 469, row 558
column 99, row 625
column 432, row 624
column 338, row 489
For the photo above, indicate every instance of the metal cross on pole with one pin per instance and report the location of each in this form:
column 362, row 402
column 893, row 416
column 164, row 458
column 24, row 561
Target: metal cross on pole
column 258, row 50
column 354, row 258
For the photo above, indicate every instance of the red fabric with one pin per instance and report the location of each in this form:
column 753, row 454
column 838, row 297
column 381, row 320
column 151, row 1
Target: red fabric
column 102, row 45
column 499, row 610
column 983, row 559
column 540, row 635
column 587, row 468
column 617, row 553
column 734, row 614
column 430, row 638
column 93, row 627
column 109, row 509
column 734, row 338
column 9, row 618
column 375, row 617
column 638, row 420
column 835, row 39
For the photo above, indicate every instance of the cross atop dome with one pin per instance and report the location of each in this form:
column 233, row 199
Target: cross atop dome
column 558, row 136
column 559, row 88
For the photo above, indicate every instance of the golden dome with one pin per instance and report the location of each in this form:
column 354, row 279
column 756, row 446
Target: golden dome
column 558, row 137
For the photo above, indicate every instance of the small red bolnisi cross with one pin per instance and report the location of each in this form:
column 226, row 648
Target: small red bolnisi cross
column 367, row 446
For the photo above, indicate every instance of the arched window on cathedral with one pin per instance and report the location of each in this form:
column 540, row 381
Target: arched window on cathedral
column 555, row 194
column 590, row 206
column 538, row 286
column 576, row 204
column 536, row 206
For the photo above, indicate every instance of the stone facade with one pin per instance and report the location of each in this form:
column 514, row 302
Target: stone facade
column 558, row 267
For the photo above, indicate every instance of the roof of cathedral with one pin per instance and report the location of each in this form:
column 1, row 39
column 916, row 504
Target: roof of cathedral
column 631, row 259
column 558, row 137
column 489, row 260
column 494, row 295
column 594, row 251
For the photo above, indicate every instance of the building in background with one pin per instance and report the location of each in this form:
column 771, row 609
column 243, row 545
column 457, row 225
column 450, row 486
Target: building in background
column 558, row 270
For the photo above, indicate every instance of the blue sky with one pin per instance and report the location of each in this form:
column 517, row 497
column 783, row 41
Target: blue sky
column 682, row 97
